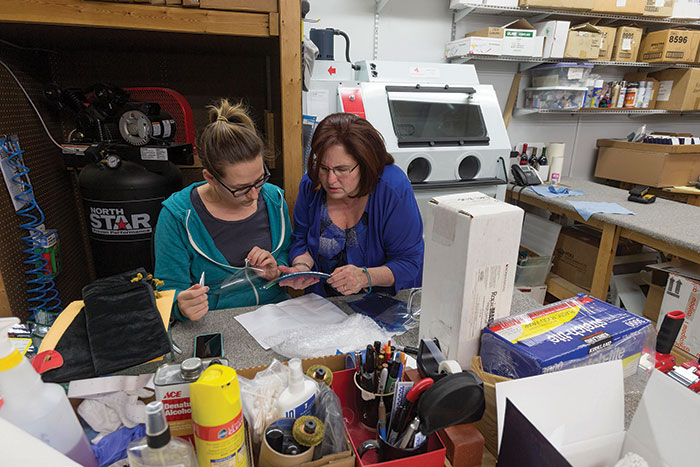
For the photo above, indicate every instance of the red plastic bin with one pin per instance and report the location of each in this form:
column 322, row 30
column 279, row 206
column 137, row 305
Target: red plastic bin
column 344, row 386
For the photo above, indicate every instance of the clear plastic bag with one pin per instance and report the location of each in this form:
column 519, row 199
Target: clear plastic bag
column 330, row 412
column 310, row 341
column 391, row 314
column 242, row 279
column 259, row 397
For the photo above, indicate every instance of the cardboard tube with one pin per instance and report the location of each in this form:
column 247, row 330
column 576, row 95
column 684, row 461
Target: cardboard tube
column 271, row 458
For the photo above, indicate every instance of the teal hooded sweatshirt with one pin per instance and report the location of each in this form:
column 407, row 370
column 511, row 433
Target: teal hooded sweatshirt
column 184, row 249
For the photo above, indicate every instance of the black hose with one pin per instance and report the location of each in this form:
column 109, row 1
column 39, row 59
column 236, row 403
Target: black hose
column 338, row 32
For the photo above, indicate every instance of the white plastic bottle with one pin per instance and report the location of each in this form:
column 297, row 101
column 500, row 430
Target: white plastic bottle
column 299, row 398
column 158, row 448
column 41, row 409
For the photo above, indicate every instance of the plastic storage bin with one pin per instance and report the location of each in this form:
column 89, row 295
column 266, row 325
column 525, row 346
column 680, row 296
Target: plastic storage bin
column 554, row 98
column 561, row 74
column 534, row 272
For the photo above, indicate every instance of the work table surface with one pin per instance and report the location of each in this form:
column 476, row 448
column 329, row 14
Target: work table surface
column 669, row 221
column 242, row 349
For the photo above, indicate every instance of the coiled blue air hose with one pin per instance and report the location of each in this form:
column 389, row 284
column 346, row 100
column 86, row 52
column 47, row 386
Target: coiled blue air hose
column 41, row 287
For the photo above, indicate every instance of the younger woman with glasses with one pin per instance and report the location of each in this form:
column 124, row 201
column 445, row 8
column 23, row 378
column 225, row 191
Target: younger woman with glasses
column 233, row 224
column 356, row 216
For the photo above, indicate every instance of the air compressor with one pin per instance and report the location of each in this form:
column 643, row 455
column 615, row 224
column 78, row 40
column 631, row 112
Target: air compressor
column 125, row 147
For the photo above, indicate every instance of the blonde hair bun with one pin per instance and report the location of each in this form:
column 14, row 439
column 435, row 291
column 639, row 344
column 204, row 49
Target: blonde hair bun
column 232, row 113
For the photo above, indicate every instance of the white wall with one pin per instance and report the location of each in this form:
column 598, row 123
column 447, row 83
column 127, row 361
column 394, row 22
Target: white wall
column 418, row 29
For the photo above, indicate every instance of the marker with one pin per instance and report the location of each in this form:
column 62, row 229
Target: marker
column 393, row 376
column 201, row 280
column 382, row 380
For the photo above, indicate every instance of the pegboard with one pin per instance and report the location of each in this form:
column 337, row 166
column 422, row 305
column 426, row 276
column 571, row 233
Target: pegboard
column 201, row 67
column 52, row 184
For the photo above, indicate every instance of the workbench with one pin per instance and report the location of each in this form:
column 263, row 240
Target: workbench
column 243, row 351
column 664, row 225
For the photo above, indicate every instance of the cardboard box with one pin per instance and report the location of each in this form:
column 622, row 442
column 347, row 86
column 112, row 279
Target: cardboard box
column 519, row 38
column 689, row 9
column 583, row 41
column 474, row 46
column 488, row 425
column 576, row 253
column 659, row 8
column 336, row 363
column 682, row 292
column 620, row 7
column 607, row 41
column 582, row 5
column 555, row 34
column 655, row 165
column 644, row 76
column 679, row 89
column 652, row 305
column 627, row 42
column 670, row 46
column 584, row 418
column 471, row 250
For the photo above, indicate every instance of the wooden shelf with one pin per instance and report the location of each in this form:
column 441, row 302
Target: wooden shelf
column 561, row 288
column 140, row 17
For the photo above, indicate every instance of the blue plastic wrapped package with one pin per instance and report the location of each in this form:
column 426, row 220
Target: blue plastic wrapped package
column 391, row 314
column 570, row 333
column 113, row 446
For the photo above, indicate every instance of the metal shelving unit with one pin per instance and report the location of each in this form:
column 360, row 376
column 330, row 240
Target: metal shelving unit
column 542, row 15
column 529, row 62
column 629, row 112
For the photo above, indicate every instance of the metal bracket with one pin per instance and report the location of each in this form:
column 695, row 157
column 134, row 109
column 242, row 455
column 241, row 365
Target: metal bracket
column 461, row 14
column 380, row 5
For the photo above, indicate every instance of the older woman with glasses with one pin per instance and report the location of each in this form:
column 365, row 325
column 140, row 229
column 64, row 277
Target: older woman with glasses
column 356, row 216
column 234, row 224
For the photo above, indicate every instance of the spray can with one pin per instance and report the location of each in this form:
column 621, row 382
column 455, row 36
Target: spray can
column 172, row 385
column 648, row 94
column 217, row 416
column 631, row 95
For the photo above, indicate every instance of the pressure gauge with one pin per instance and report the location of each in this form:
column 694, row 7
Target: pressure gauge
column 112, row 161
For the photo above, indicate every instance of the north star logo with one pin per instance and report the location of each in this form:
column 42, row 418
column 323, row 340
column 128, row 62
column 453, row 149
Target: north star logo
column 113, row 221
column 331, row 70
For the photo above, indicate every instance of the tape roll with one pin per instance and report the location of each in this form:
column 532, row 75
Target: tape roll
column 449, row 367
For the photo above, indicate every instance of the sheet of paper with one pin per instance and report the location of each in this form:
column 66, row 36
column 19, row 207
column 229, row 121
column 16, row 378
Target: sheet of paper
column 318, row 104
column 666, row 423
column 291, row 314
column 82, row 388
column 569, row 407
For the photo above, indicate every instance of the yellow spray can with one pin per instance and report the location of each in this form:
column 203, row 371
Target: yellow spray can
column 217, row 416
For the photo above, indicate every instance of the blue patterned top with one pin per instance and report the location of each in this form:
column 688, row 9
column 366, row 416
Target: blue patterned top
column 338, row 247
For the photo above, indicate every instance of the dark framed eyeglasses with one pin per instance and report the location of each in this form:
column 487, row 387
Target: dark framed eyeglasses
column 340, row 172
column 238, row 192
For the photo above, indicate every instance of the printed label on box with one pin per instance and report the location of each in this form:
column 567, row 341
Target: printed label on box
column 626, row 44
column 575, row 73
column 665, row 88
column 621, row 3
column 659, row 3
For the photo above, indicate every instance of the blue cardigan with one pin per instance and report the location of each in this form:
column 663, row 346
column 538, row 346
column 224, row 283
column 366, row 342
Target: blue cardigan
column 184, row 249
column 395, row 228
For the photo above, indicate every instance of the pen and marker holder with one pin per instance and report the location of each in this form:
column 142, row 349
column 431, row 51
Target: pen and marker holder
column 387, row 451
column 368, row 405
